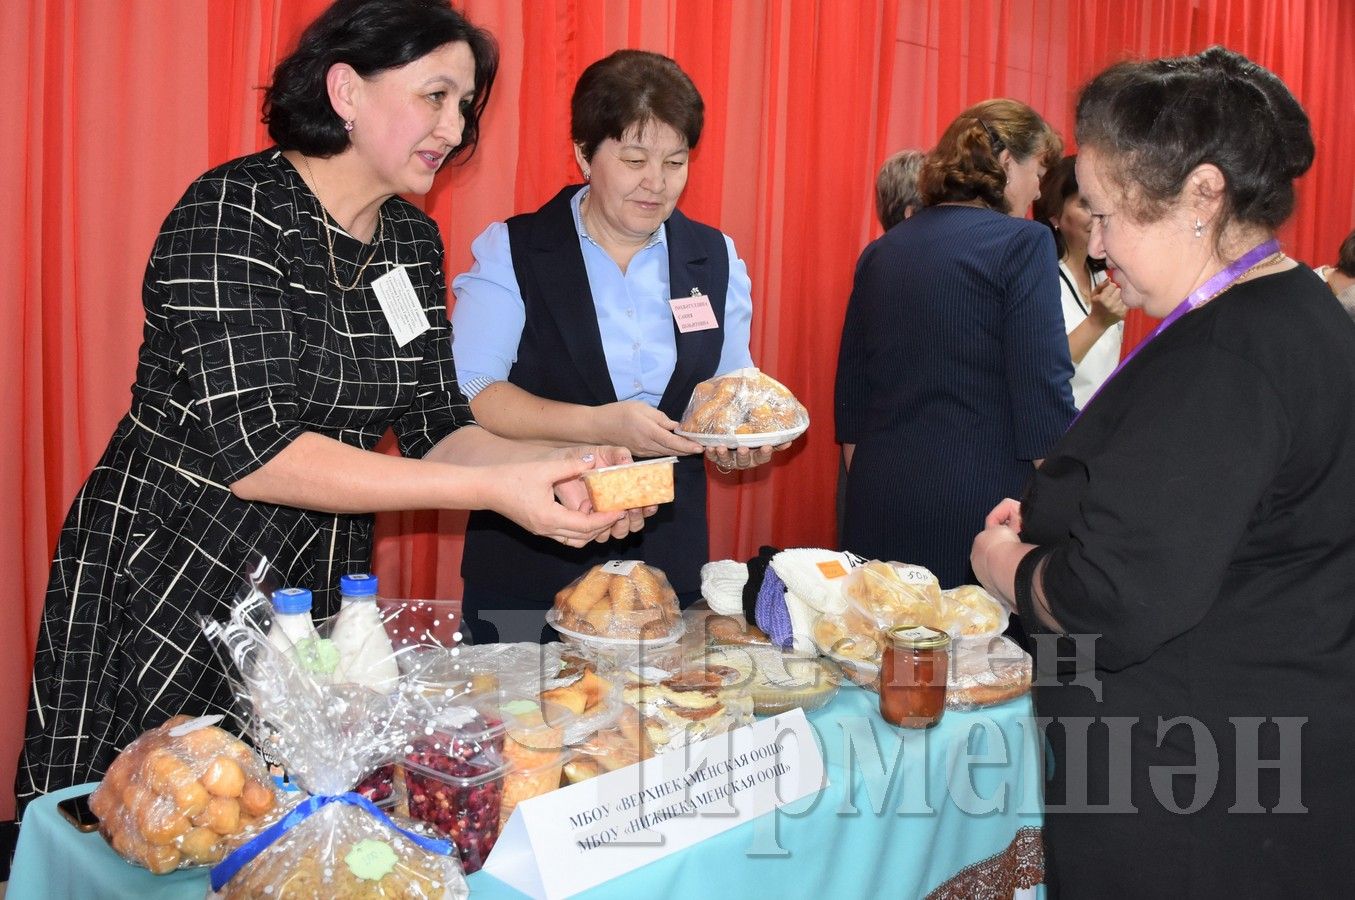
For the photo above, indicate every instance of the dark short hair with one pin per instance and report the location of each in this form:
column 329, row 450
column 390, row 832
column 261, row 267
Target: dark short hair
column 371, row 36
column 1345, row 257
column 1058, row 184
column 1155, row 120
column 896, row 187
column 964, row 164
column 630, row 89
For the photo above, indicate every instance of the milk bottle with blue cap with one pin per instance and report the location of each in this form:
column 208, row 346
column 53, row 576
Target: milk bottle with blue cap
column 366, row 655
column 292, row 623
column 293, row 632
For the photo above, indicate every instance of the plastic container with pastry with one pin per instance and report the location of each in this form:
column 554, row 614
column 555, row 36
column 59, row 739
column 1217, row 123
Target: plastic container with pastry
column 776, row 681
column 606, row 751
column 743, row 408
column 534, row 745
column 623, row 601
column 693, row 702
column 634, row 485
column 593, row 700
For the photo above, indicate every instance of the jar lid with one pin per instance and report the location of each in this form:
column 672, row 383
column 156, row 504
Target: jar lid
column 918, row 637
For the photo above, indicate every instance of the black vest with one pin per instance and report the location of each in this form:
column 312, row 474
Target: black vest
column 560, row 358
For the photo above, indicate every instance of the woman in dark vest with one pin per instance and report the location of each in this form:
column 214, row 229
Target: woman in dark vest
column 562, row 329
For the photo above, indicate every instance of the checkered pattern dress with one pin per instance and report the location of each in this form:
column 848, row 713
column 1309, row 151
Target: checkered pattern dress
column 248, row 343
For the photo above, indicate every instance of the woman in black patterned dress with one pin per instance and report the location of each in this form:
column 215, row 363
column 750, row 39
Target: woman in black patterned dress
column 268, row 372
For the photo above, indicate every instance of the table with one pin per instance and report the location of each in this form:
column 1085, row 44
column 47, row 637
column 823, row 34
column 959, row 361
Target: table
column 953, row 811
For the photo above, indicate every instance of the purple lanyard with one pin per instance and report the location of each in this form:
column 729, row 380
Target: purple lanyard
column 1221, row 281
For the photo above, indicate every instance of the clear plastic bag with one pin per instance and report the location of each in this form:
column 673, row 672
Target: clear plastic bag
column 888, row 594
column 987, row 672
column 331, row 842
column 891, row 594
column 343, row 851
column 744, row 402
column 173, row 797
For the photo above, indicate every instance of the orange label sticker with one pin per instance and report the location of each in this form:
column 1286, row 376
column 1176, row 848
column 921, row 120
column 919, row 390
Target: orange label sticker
column 832, row 569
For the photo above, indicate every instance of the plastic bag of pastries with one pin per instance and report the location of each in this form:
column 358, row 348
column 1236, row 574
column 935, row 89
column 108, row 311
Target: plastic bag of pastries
column 173, row 796
column 623, row 599
column 892, row 594
column 745, row 401
column 970, row 611
column 342, row 851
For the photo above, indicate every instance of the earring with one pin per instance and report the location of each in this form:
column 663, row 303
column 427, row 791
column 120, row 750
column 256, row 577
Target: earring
column 587, row 175
column 1199, row 227
column 348, row 125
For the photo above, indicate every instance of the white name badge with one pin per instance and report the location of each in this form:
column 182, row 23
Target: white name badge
column 693, row 313
column 404, row 312
column 579, row 836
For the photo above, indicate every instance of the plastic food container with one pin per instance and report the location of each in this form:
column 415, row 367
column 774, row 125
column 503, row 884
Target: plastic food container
column 528, row 722
column 379, row 786
column 454, row 780
column 632, row 485
column 524, row 783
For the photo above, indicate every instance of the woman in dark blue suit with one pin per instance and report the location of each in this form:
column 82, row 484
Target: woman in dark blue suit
column 952, row 378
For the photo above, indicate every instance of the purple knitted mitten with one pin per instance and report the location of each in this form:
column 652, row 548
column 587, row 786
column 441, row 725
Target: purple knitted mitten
column 771, row 614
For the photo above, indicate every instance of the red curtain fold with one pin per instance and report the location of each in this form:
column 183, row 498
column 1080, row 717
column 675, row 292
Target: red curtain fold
column 117, row 106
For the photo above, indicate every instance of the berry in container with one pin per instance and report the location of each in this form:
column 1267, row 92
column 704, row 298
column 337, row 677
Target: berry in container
column 454, row 779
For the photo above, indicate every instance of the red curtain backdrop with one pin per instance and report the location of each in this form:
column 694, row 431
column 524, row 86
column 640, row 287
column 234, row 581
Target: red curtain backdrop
column 117, row 106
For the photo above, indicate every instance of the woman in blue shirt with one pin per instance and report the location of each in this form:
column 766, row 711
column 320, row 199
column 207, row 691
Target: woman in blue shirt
column 562, row 328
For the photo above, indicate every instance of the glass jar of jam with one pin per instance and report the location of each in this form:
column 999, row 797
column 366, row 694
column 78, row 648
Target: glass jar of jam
column 913, row 676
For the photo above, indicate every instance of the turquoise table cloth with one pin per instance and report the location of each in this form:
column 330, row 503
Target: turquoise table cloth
column 954, row 809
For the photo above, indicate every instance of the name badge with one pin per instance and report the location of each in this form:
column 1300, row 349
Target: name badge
column 404, row 312
column 693, row 313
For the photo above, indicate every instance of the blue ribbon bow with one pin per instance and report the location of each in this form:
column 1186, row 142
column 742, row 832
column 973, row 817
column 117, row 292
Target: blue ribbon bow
column 227, row 869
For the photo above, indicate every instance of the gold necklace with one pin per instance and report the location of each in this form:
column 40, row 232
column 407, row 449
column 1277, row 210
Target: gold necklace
column 329, row 238
column 1273, row 259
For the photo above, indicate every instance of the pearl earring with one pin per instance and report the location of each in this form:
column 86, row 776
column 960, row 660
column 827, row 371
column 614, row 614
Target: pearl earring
column 348, row 125
column 587, row 175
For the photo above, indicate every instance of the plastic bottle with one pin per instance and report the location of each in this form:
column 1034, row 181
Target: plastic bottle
column 294, row 633
column 292, row 623
column 366, row 655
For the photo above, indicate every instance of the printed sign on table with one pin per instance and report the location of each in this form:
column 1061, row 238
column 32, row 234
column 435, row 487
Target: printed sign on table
column 579, row 836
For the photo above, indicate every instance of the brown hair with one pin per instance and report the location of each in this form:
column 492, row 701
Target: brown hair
column 964, row 164
column 630, row 89
column 1345, row 257
column 896, row 187
column 1058, row 184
